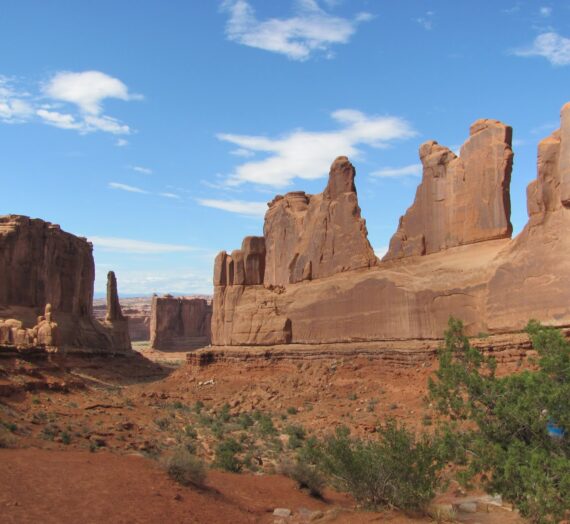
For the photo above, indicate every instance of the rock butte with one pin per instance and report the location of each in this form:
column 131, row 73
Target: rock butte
column 180, row 323
column 46, row 290
column 313, row 279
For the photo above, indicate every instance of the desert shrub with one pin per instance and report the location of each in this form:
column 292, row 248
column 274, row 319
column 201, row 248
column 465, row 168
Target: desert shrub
column 292, row 410
column 396, row 470
column 296, row 436
column 245, row 421
column 307, row 477
column 224, row 414
column 506, row 441
column 7, row 439
column 265, row 425
column 226, row 456
column 162, row 423
column 66, row 438
column 198, row 407
column 190, row 432
column 186, row 468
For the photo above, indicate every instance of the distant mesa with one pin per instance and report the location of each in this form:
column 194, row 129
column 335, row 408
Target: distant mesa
column 313, row 279
column 46, row 291
column 180, row 323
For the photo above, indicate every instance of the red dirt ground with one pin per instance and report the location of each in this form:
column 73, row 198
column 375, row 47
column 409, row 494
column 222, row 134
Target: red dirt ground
column 112, row 407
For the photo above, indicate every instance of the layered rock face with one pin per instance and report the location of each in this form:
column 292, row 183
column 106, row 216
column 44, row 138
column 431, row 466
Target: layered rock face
column 180, row 323
column 315, row 236
column 452, row 255
column 306, row 237
column 461, row 200
column 42, row 265
column 532, row 279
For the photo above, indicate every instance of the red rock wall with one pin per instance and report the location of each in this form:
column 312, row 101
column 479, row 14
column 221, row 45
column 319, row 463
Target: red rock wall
column 461, row 200
column 180, row 323
column 460, row 218
column 315, row 236
column 42, row 265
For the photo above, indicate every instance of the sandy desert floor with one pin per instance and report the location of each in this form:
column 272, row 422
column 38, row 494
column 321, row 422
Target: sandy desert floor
column 87, row 437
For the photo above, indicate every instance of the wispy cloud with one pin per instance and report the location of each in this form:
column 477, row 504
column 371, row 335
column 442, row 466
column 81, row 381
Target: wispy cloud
column 311, row 30
column 141, row 169
column 128, row 245
column 125, row 187
column 169, row 195
column 426, row 21
column 395, row 172
column 545, row 11
column 552, row 46
column 67, row 100
column 121, row 142
column 242, row 152
column 15, row 106
column 145, row 282
column 241, row 207
column 308, row 154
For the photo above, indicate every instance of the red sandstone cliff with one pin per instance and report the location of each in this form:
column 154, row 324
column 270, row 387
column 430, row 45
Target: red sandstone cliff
column 180, row 323
column 461, row 199
column 331, row 290
column 41, row 266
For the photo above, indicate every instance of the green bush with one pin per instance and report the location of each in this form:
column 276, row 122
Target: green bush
column 306, row 476
column 265, row 425
column 186, row 468
column 397, row 470
column 226, row 456
column 506, row 442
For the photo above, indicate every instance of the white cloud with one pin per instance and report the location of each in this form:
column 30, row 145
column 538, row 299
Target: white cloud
column 141, row 169
column 311, row 30
column 545, row 11
column 255, row 209
column 307, row 154
column 394, row 172
column 125, row 187
column 426, row 21
column 61, row 120
column 14, row 108
column 121, row 142
column 169, row 195
column 242, row 152
column 552, row 46
column 87, row 89
column 128, row 245
column 108, row 124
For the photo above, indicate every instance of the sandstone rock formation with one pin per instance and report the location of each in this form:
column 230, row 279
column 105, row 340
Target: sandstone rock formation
column 532, row 279
column 113, row 306
column 315, row 236
column 461, row 199
column 306, row 237
column 42, row 265
column 180, row 323
column 114, row 320
column 331, row 291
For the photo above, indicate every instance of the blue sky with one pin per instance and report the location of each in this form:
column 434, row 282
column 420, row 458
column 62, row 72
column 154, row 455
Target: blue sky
column 159, row 130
